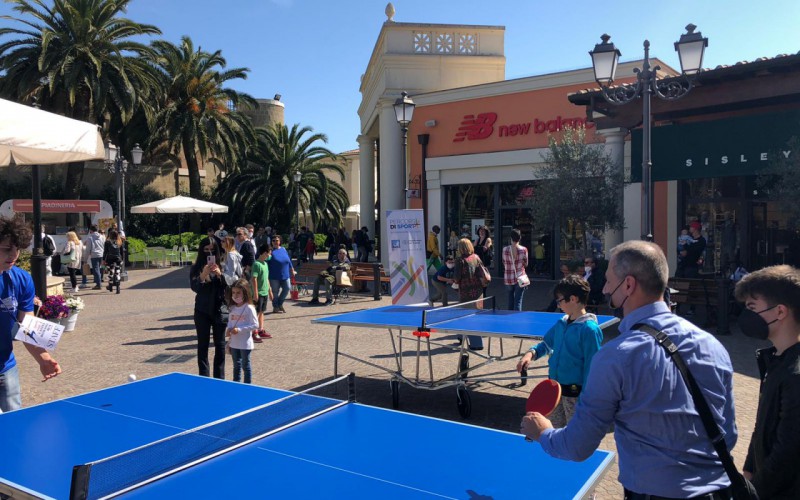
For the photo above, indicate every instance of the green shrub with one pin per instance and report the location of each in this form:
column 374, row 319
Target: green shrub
column 319, row 240
column 24, row 260
column 191, row 240
column 135, row 245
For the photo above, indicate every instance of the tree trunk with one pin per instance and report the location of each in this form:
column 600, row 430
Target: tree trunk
column 72, row 187
column 195, row 189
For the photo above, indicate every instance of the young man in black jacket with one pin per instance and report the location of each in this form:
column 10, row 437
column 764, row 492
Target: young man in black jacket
column 772, row 300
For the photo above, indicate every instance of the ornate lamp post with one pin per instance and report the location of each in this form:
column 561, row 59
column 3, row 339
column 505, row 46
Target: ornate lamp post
column 605, row 58
column 404, row 111
column 118, row 165
column 297, row 176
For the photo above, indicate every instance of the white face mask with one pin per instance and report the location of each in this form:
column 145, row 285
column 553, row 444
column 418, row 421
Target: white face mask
column 450, row 266
column 587, row 269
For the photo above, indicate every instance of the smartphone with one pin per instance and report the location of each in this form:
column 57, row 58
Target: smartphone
column 210, row 260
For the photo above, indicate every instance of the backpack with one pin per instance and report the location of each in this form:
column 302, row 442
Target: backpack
column 48, row 246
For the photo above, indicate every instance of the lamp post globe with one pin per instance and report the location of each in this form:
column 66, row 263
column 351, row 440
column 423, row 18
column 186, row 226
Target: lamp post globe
column 297, row 177
column 404, row 112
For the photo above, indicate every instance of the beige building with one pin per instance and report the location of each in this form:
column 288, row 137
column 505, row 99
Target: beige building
column 416, row 58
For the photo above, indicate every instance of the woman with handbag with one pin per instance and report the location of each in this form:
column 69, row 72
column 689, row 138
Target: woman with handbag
column 210, row 311
column 515, row 261
column 471, row 277
column 71, row 257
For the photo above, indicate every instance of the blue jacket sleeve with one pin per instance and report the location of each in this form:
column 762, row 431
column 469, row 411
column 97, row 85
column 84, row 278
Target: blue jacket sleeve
column 544, row 348
column 591, row 338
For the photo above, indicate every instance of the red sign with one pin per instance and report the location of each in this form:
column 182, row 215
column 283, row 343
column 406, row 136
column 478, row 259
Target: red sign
column 476, row 128
column 58, row 206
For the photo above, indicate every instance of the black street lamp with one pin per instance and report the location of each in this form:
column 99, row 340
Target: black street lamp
column 605, row 58
column 118, row 165
column 404, row 111
column 297, row 176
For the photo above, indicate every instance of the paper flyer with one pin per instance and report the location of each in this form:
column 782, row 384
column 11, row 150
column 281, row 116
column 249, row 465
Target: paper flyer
column 39, row 332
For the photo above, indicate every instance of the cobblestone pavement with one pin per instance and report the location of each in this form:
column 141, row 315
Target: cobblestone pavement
column 148, row 330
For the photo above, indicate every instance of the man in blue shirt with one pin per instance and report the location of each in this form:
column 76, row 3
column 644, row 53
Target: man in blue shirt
column 16, row 300
column 664, row 451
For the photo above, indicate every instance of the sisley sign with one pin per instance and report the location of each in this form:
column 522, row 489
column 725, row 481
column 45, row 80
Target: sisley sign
column 743, row 145
column 483, row 125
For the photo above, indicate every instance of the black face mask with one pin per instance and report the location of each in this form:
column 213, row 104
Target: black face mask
column 753, row 325
column 611, row 296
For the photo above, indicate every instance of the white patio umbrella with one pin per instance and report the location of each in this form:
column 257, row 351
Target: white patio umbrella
column 179, row 205
column 30, row 136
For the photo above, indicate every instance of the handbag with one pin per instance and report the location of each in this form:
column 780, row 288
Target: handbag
column 342, row 278
column 486, row 278
column 68, row 257
column 522, row 277
column 742, row 488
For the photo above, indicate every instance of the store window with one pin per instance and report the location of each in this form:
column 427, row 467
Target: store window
column 741, row 225
column 469, row 207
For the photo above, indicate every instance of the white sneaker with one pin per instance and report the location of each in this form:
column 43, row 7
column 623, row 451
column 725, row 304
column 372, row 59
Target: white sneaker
column 77, row 289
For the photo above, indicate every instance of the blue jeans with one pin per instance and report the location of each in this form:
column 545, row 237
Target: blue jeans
column 515, row 293
column 10, row 398
column 96, row 261
column 280, row 289
column 241, row 362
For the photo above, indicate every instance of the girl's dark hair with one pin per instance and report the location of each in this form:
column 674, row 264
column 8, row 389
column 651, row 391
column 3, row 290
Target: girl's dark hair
column 244, row 286
column 114, row 236
column 516, row 235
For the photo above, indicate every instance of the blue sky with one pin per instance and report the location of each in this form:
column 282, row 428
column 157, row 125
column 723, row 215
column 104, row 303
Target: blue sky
column 313, row 52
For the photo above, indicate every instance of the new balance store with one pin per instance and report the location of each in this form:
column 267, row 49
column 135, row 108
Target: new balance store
column 718, row 168
column 483, row 147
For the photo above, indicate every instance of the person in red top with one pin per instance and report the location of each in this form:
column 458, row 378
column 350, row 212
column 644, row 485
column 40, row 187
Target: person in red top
column 515, row 261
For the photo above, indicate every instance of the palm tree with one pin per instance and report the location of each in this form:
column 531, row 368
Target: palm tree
column 76, row 58
column 265, row 190
column 197, row 117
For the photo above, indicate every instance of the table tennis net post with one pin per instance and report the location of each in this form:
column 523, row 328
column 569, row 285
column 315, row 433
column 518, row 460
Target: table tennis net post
column 433, row 317
column 134, row 468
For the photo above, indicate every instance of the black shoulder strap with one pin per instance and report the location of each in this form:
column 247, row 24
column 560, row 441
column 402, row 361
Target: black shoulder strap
column 700, row 404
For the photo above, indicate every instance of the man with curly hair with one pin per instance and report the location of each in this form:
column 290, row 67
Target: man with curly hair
column 16, row 300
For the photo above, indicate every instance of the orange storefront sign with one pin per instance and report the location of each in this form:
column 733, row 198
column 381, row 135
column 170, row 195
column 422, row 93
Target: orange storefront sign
column 58, row 206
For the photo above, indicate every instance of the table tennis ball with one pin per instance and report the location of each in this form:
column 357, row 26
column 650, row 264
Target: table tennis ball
column 131, row 377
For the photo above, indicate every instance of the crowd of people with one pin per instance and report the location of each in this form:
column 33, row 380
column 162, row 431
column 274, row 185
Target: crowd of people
column 636, row 384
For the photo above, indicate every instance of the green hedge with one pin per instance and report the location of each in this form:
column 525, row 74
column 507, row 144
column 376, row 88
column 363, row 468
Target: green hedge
column 191, row 240
column 135, row 245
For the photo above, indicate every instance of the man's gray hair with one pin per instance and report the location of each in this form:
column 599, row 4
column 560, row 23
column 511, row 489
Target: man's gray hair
column 643, row 260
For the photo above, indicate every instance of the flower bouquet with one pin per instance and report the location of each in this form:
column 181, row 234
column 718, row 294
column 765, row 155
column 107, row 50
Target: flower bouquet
column 54, row 307
column 74, row 303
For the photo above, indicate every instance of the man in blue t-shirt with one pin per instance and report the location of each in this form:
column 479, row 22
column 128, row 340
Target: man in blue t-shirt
column 443, row 279
column 16, row 300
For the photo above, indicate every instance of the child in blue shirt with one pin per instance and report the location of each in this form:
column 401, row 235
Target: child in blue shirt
column 571, row 344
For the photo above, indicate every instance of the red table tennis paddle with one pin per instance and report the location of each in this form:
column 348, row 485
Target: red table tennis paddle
column 544, row 397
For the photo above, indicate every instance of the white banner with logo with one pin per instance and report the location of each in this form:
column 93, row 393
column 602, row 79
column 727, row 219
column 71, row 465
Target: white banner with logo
column 406, row 235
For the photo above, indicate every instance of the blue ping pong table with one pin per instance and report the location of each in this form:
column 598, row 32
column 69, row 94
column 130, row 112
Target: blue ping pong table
column 349, row 451
column 421, row 322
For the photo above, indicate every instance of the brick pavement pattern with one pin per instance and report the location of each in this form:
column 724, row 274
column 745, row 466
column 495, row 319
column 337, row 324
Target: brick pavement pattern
column 151, row 320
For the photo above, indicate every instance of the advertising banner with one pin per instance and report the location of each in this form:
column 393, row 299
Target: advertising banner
column 406, row 234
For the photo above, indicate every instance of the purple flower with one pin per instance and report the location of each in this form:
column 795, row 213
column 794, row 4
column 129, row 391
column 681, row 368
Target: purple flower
column 54, row 307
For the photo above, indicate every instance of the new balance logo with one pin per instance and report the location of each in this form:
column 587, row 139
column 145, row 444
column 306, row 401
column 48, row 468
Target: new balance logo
column 476, row 128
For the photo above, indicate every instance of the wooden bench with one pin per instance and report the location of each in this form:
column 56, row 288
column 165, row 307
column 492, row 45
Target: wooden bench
column 364, row 272
column 712, row 293
column 307, row 273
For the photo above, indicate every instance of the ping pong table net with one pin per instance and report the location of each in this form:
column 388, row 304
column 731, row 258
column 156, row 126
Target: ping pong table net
column 439, row 315
column 134, row 468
